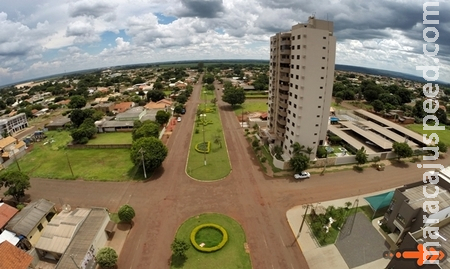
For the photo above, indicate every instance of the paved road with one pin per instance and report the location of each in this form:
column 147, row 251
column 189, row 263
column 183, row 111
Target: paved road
column 257, row 202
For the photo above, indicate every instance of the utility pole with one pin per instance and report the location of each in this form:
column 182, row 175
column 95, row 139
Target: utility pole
column 143, row 165
column 15, row 160
column 70, row 166
column 71, row 256
column 203, row 129
column 301, row 226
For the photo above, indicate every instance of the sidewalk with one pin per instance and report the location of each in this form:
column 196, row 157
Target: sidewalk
column 120, row 235
column 328, row 256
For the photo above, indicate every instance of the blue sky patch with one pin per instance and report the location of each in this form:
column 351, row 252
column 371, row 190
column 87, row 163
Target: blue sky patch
column 165, row 19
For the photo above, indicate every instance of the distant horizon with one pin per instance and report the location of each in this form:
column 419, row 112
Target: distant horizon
column 409, row 76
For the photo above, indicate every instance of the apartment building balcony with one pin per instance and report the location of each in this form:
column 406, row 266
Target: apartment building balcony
column 281, row 121
column 284, row 87
column 285, row 42
column 285, row 60
column 284, row 78
column 282, row 104
column 281, row 130
column 281, row 112
column 285, row 69
column 284, row 96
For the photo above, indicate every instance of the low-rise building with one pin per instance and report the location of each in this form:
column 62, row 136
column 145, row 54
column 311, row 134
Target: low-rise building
column 12, row 257
column 7, row 212
column 135, row 113
column 32, row 219
column 122, row 107
column 10, row 125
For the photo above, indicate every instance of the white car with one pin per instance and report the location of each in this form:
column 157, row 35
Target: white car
column 179, row 119
column 302, row 175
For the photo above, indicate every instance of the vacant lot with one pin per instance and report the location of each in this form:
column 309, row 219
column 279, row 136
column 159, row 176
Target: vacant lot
column 444, row 136
column 232, row 255
column 252, row 105
column 111, row 138
column 50, row 159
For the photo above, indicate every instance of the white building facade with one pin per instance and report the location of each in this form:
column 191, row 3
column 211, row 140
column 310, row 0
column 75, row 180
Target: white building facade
column 11, row 125
column 302, row 64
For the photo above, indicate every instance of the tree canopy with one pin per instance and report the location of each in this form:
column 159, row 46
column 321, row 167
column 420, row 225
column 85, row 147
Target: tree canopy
column 403, row 150
column 146, row 129
column 106, row 257
column 16, row 183
column 361, row 156
column 155, row 95
column 162, row 117
column 299, row 163
column 150, row 150
column 126, row 213
column 234, row 96
column 77, row 101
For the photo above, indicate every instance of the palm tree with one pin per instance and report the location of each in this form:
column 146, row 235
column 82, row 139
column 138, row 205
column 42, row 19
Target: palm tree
column 309, row 151
column 278, row 151
column 297, row 148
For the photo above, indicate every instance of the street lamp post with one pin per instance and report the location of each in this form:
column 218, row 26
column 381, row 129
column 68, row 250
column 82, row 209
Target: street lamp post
column 301, row 226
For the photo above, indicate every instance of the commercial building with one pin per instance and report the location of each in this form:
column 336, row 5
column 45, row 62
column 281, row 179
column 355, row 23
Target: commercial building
column 10, row 125
column 301, row 83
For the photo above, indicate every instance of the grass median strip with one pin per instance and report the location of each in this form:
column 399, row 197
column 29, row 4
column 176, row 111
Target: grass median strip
column 208, row 128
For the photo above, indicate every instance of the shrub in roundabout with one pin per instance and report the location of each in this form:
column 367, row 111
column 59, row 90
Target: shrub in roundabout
column 209, row 249
column 203, row 147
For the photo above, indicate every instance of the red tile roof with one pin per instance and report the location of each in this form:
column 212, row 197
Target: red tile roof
column 12, row 257
column 122, row 107
column 6, row 214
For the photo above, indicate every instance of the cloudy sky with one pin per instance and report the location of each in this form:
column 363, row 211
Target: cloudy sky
column 44, row 37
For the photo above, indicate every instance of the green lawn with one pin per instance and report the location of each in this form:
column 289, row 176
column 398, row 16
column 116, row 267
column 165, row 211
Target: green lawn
column 252, row 105
column 217, row 161
column 232, row 255
column 444, row 136
column 51, row 160
column 111, row 138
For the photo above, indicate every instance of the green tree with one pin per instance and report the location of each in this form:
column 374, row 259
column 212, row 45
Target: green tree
column 321, row 152
column 106, row 258
column 361, row 156
column 16, row 183
column 234, row 96
column 214, row 101
column 182, row 98
column 299, row 163
column 442, row 147
column 149, row 150
column 77, row 101
column 157, row 86
column 147, row 129
column 179, row 248
column 378, row 105
column 162, row 117
column 178, row 109
column 155, row 95
column 278, row 151
column 208, row 78
column 338, row 100
column 126, row 213
column 297, row 148
column 403, row 150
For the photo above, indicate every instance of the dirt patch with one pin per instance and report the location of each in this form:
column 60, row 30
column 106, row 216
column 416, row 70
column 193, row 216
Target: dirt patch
column 247, row 248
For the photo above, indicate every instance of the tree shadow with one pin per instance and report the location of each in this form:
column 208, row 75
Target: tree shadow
column 399, row 163
column 178, row 261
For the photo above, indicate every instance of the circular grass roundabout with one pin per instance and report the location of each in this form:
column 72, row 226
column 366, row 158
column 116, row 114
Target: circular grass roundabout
column 216, row 241
column 209, row 237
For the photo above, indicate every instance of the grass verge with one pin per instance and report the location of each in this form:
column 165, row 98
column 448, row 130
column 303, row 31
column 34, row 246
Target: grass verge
column 217, row 160
column 252, row 105
column 232, row 255
column 444, row 135
column 51, row 160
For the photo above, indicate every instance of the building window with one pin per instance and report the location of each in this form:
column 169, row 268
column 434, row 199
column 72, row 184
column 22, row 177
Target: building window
column 318, row 116
column 323, row 58
column 291, row 84
column 40, row 227
column 298, row 47
column 298, row 37
column 289, row 112
column 292, row 57
column 293, row 125
column 293, row 38
column 290, row 103
column 296, row 76
column 295, row 96
column 285, row 147
column 296, row 86
column 319, row 107
column 321, row 87
column 323, row 47
column 291, row 143
column 401, row 218
column 324, row 37
column 298, row 57
column 289, row 120
column 317, row 125
column 315, row 133
column 298, row 66
column 292, row 133
column 293, row 47
column 292, row 66
column 294, row 115
column 321, row 77
column 290, row 94
column 314, row 142
column 295, row 105
column 323, row 68
column 320, row 97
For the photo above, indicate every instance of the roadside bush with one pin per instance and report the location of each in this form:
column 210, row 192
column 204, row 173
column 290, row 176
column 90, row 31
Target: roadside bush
column 255, row 143
column 197, row 131
column 211, row 249
column 263, row 159
column 203, row 147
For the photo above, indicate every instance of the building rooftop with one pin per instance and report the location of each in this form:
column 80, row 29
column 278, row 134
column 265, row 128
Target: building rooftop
column 6, row 213
column 116, row 123
column 122, row 107
column 12, row 257
column 24, row 221
column 83, row 239
column 360, row 128
column 59, row 122
column 60, row 230
column 4, row 142
column 416, row 197
column 349, row 139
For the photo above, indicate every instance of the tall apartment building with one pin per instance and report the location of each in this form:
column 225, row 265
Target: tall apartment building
column 301, row 83
column 11, row 125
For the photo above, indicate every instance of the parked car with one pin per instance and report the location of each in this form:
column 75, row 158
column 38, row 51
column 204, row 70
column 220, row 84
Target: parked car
column 183, row 111
column 302, row 175
column 179, row 119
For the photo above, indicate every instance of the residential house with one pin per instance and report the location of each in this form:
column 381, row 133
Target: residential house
column 180, row 85
column 115, row 126
column 10, row 148
column 405, row 212
column 90, row 237
column 101, row 100
column 122, row 107
column 7, row 212
column 104, row 107
column 59, row 232
column 12, row 257
column 58, row 123
column 163, row 104
column 135, row 113
column 32, row 219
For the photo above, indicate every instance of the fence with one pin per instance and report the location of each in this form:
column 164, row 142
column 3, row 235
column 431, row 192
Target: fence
column 100, row 146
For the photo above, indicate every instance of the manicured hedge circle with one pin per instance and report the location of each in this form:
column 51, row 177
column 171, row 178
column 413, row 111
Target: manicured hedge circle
column 211, row 249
